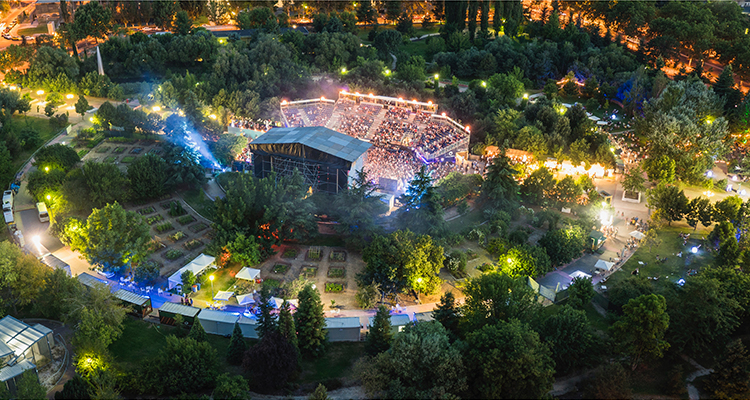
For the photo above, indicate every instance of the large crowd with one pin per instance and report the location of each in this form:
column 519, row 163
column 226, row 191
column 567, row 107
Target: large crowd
column 396, row 113
column 294, row 117
column 260, row 125
column 437, row 135
column 357, row 120
column 319, row 114
column 391, row 162
column 391, row 131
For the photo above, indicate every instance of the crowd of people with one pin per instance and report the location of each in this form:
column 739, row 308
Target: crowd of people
column 294, row 117
column 391, row 162
column 357, row 120
column 260, row 125
column 391, row 131
column 319, row 114
column 395, row 113
column 437, row 135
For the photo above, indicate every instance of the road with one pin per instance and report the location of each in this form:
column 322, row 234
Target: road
column 13, row 14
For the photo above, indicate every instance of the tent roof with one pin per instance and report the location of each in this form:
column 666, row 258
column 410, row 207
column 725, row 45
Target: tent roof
column 248, row 274
column 423, row 316
column 319, row 138
column 131, row 297
column 276, row 302
column 197, row 266
column 638, row 235
column 90, row 280
column 223, row 295
column 342, row 322
column 532, row 284
column 547, row 293
column 18, row 336
column 181, row 309
column 248, row 321
column 218, row 316
column 243, row 299
column 396, row 320
column 580, row 274
column 12, row 372
column 601, row 264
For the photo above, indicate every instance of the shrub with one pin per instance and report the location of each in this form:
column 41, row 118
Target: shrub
column 154, row 219
column 471, row 254
column 336, row 272
column 128, row 159
column 119, row 150
column 334, row 287
column 309, row 272
column 175, row 210
column 193, row 244
column 146, row 211
column 198, row 227
column 185, row 219
column 167, row 226
column 172, row 254
column 486, row 267
column 289, row 253
column 83, row 152
column 177, row 236
column 338, row 256
column 280, row 269
column 456, row 263
column 168, row 205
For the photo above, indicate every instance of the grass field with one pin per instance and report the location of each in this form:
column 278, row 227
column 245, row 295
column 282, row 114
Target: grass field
column 675, row 267
column 40, row 125
column 32, row 31
column 468, row 220
column 336, row 363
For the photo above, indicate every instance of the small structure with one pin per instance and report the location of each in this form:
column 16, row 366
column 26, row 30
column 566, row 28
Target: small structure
column 248, row 327
column 218, row 322
column 9, row 376
column 423, row 317
column 223, row 295
column 398, row 322
column 604, row 265
column 606, row 196
column 22, row 342
column 343, row 329
column 638, row 235
column 596, row 240
column 169, row 311
column 55, row 263
column 545, row 295
column 248, row 274
column 90, row 280
column 198, row 265
column 141, row 305
column 245, row 299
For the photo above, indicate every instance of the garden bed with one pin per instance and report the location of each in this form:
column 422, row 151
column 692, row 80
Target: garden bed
column 118, row 150
column 165, row 227
column 155, row 151
column 200, row 226
column 156, row 218
column 336, row 272
column 146, row 211
column 128, row 159
column 172, row 254
column 186, row 219
column 280, row 269
column 289, row 253
column 309, row 271
column 176, row 209
column 338, row 256
column 103, row 149
column 168, row 205
column 177, row 236
column 314, row 254
column 332, row 287
column 110, row 159
column 193, row 244
column 136, row 150
column 272, row 283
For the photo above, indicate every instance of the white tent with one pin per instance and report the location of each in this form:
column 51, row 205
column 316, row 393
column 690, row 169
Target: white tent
column 248, row 274
column 218, row 322
column 276, row 302
column 198, row 265
column 245, row 299
column 222, row 295
column 580, row 274
column 637, row 235
column 604, row 265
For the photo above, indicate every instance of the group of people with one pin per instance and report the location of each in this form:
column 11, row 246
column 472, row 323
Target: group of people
column 437, row 135
column 294, row 117
column 395, row 113
column 391, row 131
column 391, row 162
column 610, row 231
column 357, row 120
column 260, row 125
column 318, row 114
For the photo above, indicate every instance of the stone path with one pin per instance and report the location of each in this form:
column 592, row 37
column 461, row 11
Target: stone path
column 700, row 371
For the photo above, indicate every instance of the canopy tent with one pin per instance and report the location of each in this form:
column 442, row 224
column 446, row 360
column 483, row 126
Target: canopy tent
column 245, row 299
column 604, row 265
column 637, row 235
column 218, row 322
column 223, row 295
column 276, row 302
column 249, row 274
column 580, row 274
column 198, row 265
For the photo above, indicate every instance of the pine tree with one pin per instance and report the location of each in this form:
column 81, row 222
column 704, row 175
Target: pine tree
column 446, row 313
column 320, row 393
column 392, row 9
column 472, row 21
column 497, row 18
column 286, row 324
column 366, row 13
column 237, row 346
column 310, row 321
column 266, row 322
column 198, row 333
column 484, row 21
column 731, row 377
column 379, row 338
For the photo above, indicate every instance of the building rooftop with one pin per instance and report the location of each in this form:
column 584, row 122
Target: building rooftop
column 315, row 137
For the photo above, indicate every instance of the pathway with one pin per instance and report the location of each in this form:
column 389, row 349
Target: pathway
column 700, row 371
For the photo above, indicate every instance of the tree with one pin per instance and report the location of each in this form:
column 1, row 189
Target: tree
column 570, row 338
column 580, row 292
column 182, row 23
column 228, row 147
column 405, row 26
column 56, row 156
column 75, row 388
column 146, row 271
column 266, row 322
column 495, row 297
column 164, row 13
column 244, row 249
column 633, row 181
column 320, row 392
column 550, row 89
column 98, row 317
column 728, row 209
column 538, row 185
column 286, row 324
column 641, row 330
column 563, row 245
column 629, row 288
column 731, row 376
column 106, row 183
column 651, row 239
column 670, row 199
column 91, row 20
column 232, row 387
column 310, row 322
column 148, row 177
column 386, row 42
column 197, row 332
column 367, row 295
column 507, row 360
column 29, row 387
column 610, row 381
column 182, row 366
column 567, row 190
column 379, row 338
column 237, row 346
column 660, row 169
column 271, row 362
column 699, row 209
column 82, row 105
column 447, row 314
column 422, row 363
column 112, row 238
column 40, row 184
column 261, row 18
column 505, row 89
column 500, row 185
column 422, row 211
column 524, row 261
column 392, row 9
column 366, row 14
column 21, row 277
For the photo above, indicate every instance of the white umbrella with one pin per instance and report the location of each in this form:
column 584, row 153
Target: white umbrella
column 222, row 295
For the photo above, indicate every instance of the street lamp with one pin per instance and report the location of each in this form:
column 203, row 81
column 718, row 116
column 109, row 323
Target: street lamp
column 484, row 84
column 46, row 169
column 40, row 92
column 156, row 108
column 211, row 278
column 49, row 197
column 525, row 96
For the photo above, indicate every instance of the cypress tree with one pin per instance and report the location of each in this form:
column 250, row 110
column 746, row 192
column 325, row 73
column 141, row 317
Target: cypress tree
column 472, row 25
column 379, row 338
column 310, row 321
column 497, row 19
column 446, row 313
column 484, row 24
column 266, row 322
column 286, row 324
column 237, row 346
column 197, row 332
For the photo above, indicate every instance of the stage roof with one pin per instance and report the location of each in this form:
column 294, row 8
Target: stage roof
column 282, row 140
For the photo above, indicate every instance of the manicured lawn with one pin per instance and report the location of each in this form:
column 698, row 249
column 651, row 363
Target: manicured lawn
column 336, row 363
column 468, row 220
column 223, row 280
column 32, row 31
column 197, row 199
column 40, row 125
column 675, row 267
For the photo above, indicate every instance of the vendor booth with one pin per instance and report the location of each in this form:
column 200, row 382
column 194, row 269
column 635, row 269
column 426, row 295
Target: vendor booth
column 218, row 322
column 198, row 265
column 168, row 311
column 141, row 305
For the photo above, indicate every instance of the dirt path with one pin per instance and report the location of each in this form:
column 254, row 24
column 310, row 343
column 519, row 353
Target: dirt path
column 700, row 371
column 569, row 383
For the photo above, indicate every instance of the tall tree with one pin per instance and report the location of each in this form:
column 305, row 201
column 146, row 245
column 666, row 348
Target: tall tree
column 366, row 14
column 266, row 322
column 641, row 330
column 82, row 106
column 21, row 278
column 92, row 20
column 237, row 346
column 286, row 324
column 379, row 338
column 197, row 332
column 495, row 297
column 580, row 292
column 670, row 199
column 422, row 211
column 310, row 322
column 731, row 377
column 148, row 177
column 472, row 18
column 105, row 182
column 271, row 362
column 571, row 339
column 447, row 314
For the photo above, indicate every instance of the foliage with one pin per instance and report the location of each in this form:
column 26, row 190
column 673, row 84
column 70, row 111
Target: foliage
column 507, row 360
column 355, row 209
column 232, row 387
column 105, row 182
column 570, row 338
column 538, row 185
column 266, row 322
column 197, row 332
column 421, row 210
column 21, row 277
column 580, row 292
column 310, row 322
column 563, row 245
column 642, row 328
column 29, row 387
column 91, row 19
column 272, row 362
column 730, row 378
column 286, row 324
column 183, row 365
column 610, row 381
column 367, row 295
column 56, row 156
column 525, row 260
column 148, row 177
column 98, row 317
column 237, row 346
column 447, row 313
column 75, row 388
column 500, row 185
column 146, row 271
column 422, row 363
column 633, row 181
column 244, row 249
column 671, row 200
column 320, row 393
column 495, row 297
column 379, row 338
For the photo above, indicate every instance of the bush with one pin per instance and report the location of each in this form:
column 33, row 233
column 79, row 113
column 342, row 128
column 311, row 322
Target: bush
column 177, row 236
column 167, row 226
column 185, row 219
column 156, row 218
column 336, row 272
column 193, row 244
column 280, row 269
column 334, row 287
column 456, row 263
column 471, row 254
column 175, row 209
column 198, row 227
column 172, row 254
column 486, row 267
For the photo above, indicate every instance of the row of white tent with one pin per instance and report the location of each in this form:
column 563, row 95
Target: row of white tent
column 203, row 262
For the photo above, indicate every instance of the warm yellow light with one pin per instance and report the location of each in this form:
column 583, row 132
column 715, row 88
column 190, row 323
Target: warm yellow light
column 156, row 108
column 509, row 260
column 180, row 113
column 526, row 96
column 604, row 204
column 437, row 76
column 419, row 280
column 429, row 102
column 91, row 119
column 343, row 70
column 372, row 95
column 612, row 149
column 212, row 116
column 69, row 96
column 562, row 110
column 444, row 114
column 46, row 169
column 13, row 88
column 211, row 277
column 322, row 98
column 40, row 92
column 484, row 84
column 49, row 197
column 283, row 102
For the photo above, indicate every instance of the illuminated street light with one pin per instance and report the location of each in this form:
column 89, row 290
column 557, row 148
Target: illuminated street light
column 49, row 197
column 211, row 278
column 212, row 116
column 694, row 250
column 156, row 108
column 37, row 240
column 343, row 70
column 509, row 260
column 40, row 92
column 69, row 96
column 91, row 119
column 484, row 84
column 46, row 169
column 437, row 76
column 525, row 96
